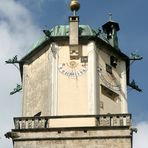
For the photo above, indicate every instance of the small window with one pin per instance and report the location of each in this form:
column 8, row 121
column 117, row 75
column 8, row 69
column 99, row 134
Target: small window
column 84, row 59
column 113, row 61
column 74, row 18
column 108, row 68
column 109, row 93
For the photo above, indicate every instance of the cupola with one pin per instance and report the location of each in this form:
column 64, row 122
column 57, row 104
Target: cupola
column 110, row 29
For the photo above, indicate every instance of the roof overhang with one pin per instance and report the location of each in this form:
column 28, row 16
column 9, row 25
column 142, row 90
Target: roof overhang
column 83, row 40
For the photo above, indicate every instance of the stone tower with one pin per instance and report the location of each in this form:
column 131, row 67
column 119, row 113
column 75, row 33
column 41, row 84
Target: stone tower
column 74, row 84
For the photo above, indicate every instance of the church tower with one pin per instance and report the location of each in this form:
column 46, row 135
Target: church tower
column 74, row 84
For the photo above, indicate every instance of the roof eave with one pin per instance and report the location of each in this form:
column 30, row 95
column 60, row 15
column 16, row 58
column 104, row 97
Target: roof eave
column 88, row 38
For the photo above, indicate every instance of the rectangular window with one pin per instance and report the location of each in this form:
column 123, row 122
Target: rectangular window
column 109, row 93
column 84, row 59
column 113, row 61
column 108, row 68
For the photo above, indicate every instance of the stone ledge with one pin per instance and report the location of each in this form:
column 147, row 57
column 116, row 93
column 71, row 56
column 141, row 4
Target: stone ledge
column 72, row 133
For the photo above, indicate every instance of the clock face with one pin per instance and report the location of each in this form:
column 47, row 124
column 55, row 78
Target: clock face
column 108, row 79
column 73, row 69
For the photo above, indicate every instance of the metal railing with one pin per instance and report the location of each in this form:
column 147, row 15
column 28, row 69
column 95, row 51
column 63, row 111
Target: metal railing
column 43, row 122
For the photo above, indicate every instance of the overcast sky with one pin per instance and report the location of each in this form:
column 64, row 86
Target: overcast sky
column 21, row 24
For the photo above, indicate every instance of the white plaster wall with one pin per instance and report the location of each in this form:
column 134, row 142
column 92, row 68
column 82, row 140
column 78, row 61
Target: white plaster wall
column 93, row 81
column 123, row 95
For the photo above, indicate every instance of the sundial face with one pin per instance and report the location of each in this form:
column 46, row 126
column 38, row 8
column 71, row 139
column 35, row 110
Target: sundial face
column 72, row 69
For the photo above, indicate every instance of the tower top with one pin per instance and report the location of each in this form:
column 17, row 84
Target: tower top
column 107, row 27
column 111, row 28
column 74, row 6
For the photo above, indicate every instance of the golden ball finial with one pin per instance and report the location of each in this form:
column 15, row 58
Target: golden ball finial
column 74, row 5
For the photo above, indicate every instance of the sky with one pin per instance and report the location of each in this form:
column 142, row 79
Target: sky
column 21, row 25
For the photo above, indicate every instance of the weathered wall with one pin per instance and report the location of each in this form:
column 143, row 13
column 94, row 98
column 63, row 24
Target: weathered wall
column 111, row 138
column 36, row 82
column 116, row 82
column 93, row 143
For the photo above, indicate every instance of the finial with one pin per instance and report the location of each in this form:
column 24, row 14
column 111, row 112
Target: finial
column 110, row 16
column 74, row 6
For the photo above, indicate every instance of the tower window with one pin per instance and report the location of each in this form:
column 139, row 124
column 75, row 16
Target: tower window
column 113, row 61
column 108, row 68
column 109, row 93
column 84, row 59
